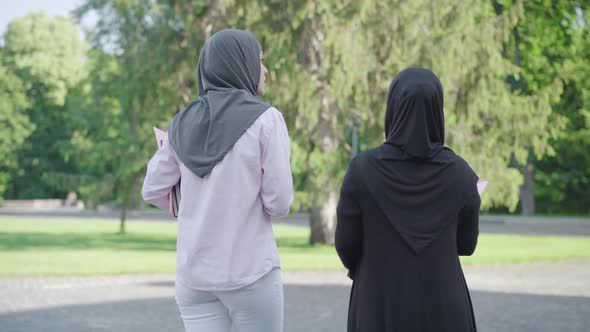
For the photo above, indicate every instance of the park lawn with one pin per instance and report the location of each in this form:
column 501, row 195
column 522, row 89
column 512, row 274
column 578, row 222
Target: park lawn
column 50, row 246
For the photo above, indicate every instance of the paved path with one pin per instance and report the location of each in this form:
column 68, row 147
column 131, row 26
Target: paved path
column 541, row 297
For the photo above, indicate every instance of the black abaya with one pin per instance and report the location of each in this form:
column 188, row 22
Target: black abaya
column 407, row 210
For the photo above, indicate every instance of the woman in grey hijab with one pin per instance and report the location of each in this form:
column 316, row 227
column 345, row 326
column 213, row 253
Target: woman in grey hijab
column 230, row 150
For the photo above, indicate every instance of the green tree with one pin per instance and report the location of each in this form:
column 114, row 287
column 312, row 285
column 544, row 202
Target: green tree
column 151, row 75
column 540, row 44
column 14, row 123
column 330, row 62
column 564, row 178
column 333, row 62
column 48, row 56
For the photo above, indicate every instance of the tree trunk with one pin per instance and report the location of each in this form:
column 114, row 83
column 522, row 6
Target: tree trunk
column 323, row 220
column 123, row 219
column 325, row 136
column 527, row 190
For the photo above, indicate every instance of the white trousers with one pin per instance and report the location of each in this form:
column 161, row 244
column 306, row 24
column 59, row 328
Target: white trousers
column 257, row 307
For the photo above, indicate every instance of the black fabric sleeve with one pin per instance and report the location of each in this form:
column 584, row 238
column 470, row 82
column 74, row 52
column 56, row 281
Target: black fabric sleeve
column 349, row 223
column 468, row 227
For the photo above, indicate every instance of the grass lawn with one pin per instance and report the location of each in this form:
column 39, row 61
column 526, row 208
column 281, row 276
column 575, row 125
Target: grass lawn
column 35, row 246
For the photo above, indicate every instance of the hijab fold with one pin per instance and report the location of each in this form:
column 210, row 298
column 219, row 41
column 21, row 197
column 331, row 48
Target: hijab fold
column 228, row 74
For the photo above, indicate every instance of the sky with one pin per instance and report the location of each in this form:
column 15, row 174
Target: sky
column 11, row 9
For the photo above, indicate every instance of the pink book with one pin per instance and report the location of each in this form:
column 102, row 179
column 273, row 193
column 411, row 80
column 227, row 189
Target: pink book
column 481, row 186
column 174, row 195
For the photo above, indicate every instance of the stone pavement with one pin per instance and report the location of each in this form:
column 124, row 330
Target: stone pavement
column 541, row 297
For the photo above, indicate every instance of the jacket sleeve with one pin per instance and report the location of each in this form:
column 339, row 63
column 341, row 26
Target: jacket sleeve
column 468, row 226
column 349, row 223
column 163, row 172
column 277, row 180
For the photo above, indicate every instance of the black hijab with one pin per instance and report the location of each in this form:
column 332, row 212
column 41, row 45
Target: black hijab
column 207, row 129
column 415, row 120
column 419, row 185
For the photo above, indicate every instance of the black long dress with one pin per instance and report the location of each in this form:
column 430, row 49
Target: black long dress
column 401, row 225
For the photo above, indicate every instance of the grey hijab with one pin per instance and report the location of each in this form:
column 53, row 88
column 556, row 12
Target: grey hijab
column 228, row 74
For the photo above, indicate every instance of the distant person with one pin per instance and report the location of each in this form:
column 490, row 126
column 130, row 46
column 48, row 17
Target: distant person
column 71, row 199
column 407, row 210
column 232, row 152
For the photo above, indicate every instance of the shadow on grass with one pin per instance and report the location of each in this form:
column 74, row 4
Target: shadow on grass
column 46, row 241
column 293, row 242
column 141, row 242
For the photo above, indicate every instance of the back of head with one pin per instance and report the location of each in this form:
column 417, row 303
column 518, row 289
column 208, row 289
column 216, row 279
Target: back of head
column 229, row 60
column 414, row 119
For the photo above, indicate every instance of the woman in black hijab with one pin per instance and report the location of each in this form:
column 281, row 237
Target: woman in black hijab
column 407, row 210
